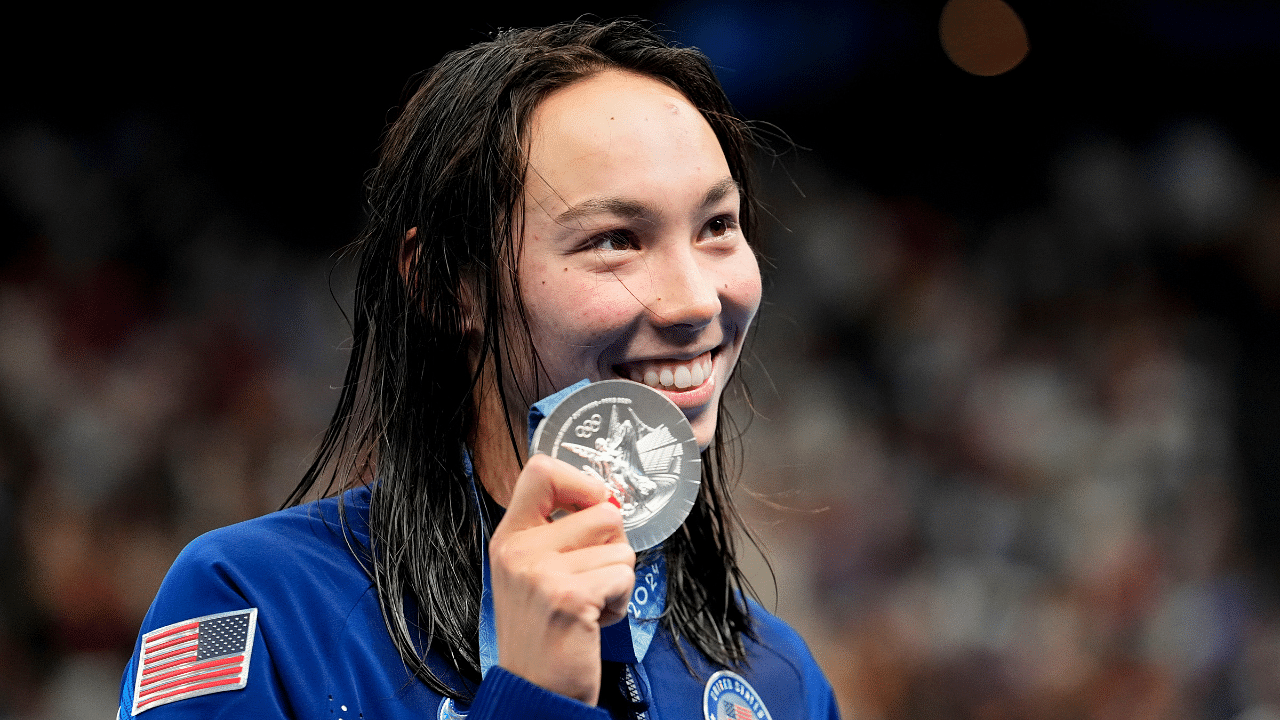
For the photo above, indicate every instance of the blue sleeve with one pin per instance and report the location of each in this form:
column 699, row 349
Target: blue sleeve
column 504, row 695
column 199, row 585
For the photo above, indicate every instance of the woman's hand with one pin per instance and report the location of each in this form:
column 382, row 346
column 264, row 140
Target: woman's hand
column 555, row 584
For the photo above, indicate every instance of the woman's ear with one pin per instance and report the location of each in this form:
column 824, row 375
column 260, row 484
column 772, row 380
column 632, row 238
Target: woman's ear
column 471, row 298
column 409, row 251
column 470, row 293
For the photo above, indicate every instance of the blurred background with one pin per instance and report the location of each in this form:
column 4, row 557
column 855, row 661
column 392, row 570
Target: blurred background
column 1012, row 443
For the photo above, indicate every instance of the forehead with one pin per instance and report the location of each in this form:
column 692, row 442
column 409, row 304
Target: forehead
column 615, row 131
column 608, row 92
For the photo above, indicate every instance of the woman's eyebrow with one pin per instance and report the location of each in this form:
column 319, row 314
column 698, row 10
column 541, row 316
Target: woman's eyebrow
column 720, row 191
column 633, row 209
column 620, row 207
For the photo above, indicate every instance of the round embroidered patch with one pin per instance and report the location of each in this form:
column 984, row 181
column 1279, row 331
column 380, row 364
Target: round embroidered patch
column 729, row 696
column 448, row 711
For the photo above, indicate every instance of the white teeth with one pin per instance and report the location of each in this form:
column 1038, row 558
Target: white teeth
column 676, row 376
column 682, row 377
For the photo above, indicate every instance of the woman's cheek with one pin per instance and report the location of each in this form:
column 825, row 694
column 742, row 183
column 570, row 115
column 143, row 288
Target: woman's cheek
column 745, row 288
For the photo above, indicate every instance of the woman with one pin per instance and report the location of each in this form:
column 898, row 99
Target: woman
column 554, row 205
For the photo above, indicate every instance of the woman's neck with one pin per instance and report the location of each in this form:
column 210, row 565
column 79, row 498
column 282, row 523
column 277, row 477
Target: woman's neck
column 495, row 461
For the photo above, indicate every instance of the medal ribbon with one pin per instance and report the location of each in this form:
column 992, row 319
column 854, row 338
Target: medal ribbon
column 625, row 642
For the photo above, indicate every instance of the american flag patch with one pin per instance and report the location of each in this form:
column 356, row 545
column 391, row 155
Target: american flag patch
column 195, row 657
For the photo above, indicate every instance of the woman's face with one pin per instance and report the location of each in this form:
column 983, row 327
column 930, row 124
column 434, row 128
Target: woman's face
column 632, row 263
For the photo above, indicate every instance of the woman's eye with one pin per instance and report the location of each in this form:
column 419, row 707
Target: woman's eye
column 721, row 226
column 614, row 240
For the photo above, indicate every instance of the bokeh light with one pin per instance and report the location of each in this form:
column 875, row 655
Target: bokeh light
column 983, row 37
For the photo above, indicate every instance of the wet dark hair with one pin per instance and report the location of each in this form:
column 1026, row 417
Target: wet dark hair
column 453, row 166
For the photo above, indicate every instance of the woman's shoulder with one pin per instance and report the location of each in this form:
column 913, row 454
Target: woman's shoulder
column 288, row 596
column 308, row 529
column 776, row 643
column 773, row 632
column 284, row 552
column 780, row 678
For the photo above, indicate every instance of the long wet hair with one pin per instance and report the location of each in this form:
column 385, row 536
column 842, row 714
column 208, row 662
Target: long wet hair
column 453, row 166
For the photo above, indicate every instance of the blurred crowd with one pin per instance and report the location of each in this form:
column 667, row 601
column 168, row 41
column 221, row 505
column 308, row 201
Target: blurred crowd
column 165, row 369
column 1001, row 469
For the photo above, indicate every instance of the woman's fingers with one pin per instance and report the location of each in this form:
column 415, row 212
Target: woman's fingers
column 600, row 524
column 556, row 584
column 547, row 485
column 593, row 557
column 613, row 583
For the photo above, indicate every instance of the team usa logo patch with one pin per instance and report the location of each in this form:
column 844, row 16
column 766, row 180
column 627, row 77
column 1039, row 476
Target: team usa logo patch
column 730, row 697
column 200, row 656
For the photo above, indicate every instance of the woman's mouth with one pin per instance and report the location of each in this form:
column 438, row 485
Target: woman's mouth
column 669, row 375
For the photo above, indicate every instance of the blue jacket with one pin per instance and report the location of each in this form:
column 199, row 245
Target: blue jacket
column 315, row 645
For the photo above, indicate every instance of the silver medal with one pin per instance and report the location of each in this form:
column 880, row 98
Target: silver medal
column 638, row 444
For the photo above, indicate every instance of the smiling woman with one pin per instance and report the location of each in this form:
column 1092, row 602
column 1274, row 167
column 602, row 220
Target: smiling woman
column 555, row 205
column 633, row 260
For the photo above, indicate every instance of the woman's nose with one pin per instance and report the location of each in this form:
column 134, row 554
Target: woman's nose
column 686, row 294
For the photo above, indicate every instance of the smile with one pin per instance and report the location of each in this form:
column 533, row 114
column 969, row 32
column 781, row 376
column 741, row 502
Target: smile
column 670, row 375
